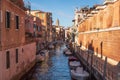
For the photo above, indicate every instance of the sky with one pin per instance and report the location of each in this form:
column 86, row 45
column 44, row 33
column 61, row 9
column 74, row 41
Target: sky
column 62, row 9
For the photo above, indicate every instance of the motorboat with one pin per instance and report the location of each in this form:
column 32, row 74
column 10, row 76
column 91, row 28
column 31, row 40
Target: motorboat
column 74, row 64
column 68, row 53
column 51, row 46
column 72, row 58
column 66, row 49
column 79, row 74
column 42, row 56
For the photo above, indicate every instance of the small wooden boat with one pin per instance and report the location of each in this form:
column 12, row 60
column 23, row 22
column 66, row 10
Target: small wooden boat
column 68, row 53
column 74, row 64
column 51, row 46
column 72, row 58
column 66, row 49
column 79, row 74
column 40, row 58
column 42, row 55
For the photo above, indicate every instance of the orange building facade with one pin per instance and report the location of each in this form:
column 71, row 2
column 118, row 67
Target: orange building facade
column 99, row 34
column 16, row 56
column 46, row 23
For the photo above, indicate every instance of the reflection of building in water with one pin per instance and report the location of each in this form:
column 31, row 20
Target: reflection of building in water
column 44, row 67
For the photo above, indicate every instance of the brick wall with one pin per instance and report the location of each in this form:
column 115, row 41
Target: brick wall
column 102, row 31
column 105, row 43
column 12, row 36
column 26, row 56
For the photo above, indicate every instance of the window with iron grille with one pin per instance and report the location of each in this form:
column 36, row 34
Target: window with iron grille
column 7, row 19
column 17, row 22
column 7, row 59
column 16, row 55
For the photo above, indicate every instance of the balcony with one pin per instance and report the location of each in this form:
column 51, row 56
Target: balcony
column 109, row 1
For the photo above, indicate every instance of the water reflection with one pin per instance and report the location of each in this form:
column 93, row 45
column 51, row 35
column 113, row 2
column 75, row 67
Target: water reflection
column 56, row 68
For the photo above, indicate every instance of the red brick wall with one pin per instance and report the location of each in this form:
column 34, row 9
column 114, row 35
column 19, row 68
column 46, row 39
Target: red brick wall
column 11, row 36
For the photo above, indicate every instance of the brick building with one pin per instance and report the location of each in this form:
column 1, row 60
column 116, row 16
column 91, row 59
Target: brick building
column 46, row 21
column 58, row 31
column 99, row 34
column 33, row 29
column 16, row 56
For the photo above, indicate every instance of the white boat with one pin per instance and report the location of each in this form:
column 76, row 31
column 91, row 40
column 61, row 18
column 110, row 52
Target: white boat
column 79, row 74
column 40, row 58
column 74, row 63
column 68, row 53
column 66, row 49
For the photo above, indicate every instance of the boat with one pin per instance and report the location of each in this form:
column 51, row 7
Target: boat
column 74, row 64
column 79, row 74
column 66, row 49
column 42, row 56
column 68, row 53
column 51, row 46
column 72, row 58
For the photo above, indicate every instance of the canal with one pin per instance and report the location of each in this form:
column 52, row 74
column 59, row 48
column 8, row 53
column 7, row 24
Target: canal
column 55, row 68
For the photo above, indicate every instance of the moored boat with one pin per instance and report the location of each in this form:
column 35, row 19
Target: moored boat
column 72, row 58
column 42, row 56
column 66, row 49
column 74, row 64
column 79, row 74
column 51, row 46
column 68, row 53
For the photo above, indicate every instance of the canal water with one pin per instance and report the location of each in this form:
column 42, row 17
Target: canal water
column 55, row 68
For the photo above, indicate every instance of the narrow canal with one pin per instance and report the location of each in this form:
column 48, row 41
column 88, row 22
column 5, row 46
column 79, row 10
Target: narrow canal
column 55, row 68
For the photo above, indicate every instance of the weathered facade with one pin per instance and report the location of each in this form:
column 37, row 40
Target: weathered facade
column 16, row 56
column 99, row 34
column 58, row 31
column 46, row 22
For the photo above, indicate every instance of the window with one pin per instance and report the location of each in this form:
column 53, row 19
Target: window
column 43, row 15
column 7, row 19
column 22, row 50
column 37, row 15
column 17, row 22
column 39, row 28
column 16, row 55
column 7, row 59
